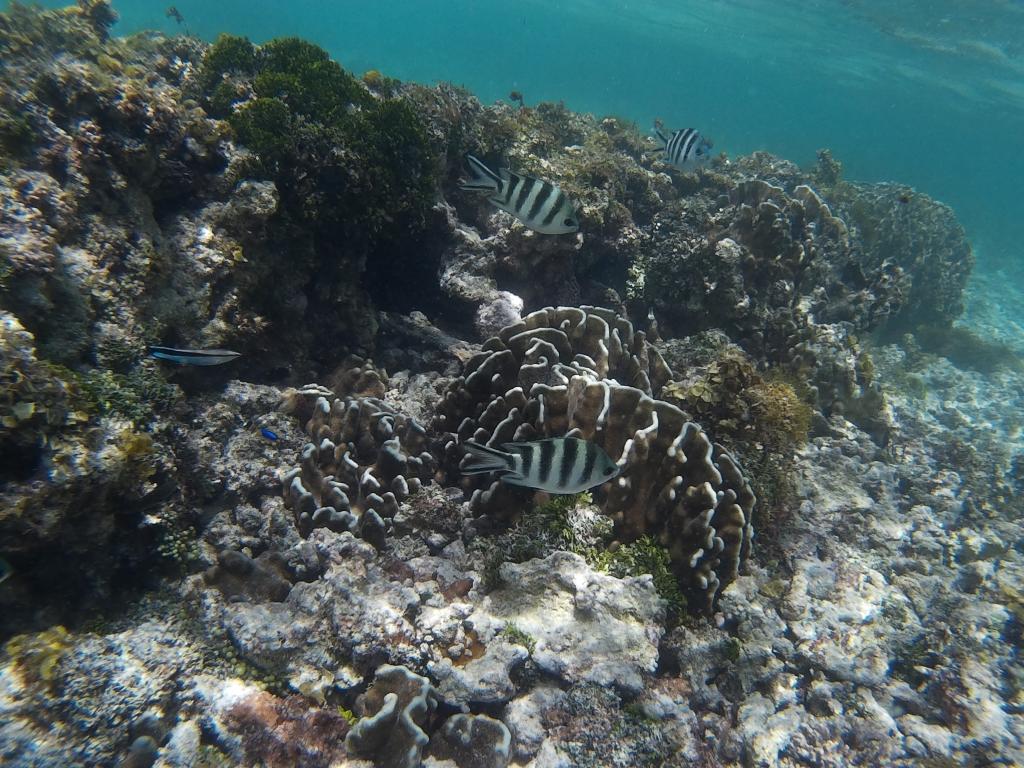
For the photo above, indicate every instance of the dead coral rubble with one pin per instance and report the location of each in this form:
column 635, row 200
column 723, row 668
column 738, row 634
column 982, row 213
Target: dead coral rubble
column 557, row 373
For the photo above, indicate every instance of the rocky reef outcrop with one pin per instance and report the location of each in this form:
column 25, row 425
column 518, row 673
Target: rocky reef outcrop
column 232, row 566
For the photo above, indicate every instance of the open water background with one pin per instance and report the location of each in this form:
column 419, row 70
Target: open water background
column 925, row 92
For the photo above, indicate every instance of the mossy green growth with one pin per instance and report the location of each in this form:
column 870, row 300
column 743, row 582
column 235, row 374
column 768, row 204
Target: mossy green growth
column 37, row 655
column 782, row 418
column 349, row 716
column 137, row 395
column 303, row 76
column 179, row 546
column 733, row 646
column 229, row 54
column 339, row 156
column 560, row 524
column 516, row 635
column 264, row 125
column 642, row 556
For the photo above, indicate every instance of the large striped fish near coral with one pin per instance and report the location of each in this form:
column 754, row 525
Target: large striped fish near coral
column 539, row 204
column 555, row 465
column 686, row 149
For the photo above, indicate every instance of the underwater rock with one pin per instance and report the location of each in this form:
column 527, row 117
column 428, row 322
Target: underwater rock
column 238, row 576
column 587, row 626
column 279, row 732
column 97, row 686
column 556, row 373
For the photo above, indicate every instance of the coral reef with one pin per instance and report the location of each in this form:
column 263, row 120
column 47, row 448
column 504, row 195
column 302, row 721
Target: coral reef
column 397, row 706
column 921, row 236
column 557, row 372
column 170, row 601
column 363, row 460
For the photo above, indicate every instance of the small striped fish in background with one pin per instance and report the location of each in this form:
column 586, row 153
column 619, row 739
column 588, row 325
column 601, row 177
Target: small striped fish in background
column 555, row 465
column 539, row 204
column 685, row 149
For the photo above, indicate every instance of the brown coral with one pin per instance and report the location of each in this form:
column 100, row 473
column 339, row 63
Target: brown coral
column 363, row 459
column 585, row 372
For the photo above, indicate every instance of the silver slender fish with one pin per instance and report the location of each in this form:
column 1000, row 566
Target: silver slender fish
column 555, row 465
column 194, row 356
column 539, row 204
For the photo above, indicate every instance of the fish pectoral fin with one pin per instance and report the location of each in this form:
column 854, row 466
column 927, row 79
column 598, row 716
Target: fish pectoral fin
column 514, row 478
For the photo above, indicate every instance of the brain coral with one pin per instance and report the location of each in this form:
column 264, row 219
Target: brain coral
column 362, row 460
column 584, row 372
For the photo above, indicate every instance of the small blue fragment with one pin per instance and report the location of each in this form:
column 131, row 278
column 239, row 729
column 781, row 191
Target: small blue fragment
column 268, row 434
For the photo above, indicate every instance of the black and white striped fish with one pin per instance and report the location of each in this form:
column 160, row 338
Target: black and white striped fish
column 555, row 465
column 685, row 149
column 539, row 204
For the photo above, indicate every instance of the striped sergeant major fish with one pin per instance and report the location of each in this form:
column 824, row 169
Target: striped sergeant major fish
column 555, row 465
column 194, row 356
column 539, row 204
column 685, row 149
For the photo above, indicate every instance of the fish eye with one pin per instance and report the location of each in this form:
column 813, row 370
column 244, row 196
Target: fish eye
column 609, row 471
column 569, row 223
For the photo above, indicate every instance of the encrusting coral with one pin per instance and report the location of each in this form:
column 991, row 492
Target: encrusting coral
column 395, row 710
column 556, row 373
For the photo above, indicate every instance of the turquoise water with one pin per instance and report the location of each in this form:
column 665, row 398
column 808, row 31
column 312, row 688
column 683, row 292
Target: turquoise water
column 926, row 93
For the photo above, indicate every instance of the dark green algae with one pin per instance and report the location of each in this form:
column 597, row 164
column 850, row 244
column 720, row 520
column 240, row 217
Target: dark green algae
column 338, row 154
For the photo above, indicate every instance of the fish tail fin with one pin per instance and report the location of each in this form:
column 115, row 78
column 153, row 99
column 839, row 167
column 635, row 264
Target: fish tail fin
column 484, row 179
column 481, row 459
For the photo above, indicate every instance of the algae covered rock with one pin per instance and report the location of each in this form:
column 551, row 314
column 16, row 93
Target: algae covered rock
column 587, row 626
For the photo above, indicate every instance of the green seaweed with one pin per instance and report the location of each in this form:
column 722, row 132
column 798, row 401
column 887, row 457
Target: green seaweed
column 264, row 125
column 340, row 157
column 515, row 635
column 733, row 647
column 38, row 654
column 137, row 395
column 228, row 54
column 646, row 556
